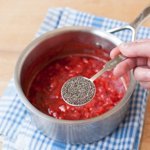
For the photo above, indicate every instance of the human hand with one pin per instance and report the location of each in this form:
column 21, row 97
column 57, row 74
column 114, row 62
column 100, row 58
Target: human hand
column 138, row 59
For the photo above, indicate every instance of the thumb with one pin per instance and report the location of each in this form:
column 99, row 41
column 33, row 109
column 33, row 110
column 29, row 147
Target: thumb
column 140, row 48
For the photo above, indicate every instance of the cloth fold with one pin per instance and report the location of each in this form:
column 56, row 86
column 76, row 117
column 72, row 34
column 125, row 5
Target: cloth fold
column 16, row 126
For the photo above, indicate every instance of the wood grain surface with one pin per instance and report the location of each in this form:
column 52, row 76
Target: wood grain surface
column 20, row 20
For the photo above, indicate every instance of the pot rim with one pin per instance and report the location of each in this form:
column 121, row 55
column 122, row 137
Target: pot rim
column 50, row 34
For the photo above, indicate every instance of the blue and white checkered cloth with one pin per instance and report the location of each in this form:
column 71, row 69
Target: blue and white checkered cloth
column 20, row 133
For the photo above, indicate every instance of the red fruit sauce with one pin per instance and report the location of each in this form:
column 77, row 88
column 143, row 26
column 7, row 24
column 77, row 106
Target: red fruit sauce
column 45, row 90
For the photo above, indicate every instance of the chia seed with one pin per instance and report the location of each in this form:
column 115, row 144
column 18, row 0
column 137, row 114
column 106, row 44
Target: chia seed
column 78, row 91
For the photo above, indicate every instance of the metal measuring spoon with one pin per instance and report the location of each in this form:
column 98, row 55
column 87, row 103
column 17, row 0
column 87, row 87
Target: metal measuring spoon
column 80, row 90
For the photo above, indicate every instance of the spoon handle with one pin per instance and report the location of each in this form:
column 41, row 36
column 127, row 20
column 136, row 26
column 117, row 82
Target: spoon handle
column 109, row 66
column 112, row 63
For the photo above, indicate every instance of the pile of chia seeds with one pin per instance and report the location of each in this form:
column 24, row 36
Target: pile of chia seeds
column 78, row 91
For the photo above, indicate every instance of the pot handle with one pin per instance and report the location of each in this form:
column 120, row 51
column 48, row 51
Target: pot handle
column 133, row 26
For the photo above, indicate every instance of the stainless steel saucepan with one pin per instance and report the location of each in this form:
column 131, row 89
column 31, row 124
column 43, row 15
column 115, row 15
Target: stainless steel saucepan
column 51, row 45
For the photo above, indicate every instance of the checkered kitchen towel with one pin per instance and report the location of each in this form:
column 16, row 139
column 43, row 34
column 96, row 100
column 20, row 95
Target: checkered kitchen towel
column 15, row 123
